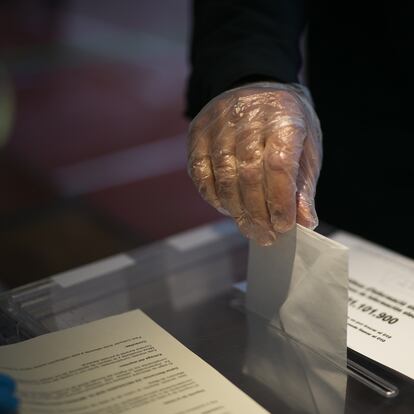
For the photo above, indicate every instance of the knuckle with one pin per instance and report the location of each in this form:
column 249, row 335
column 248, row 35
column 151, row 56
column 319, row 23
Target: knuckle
column 223, row 159
column 225, row 189
column 249, row 149
column 199, row 169
column 250, row 174
column 225, row 176
column 224, row 165
column 224, row 173
column 225, row 182
column 275, row 208
column 277, row 160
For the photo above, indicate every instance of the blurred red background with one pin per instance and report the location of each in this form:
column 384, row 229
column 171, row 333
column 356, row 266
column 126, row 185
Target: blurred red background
column 92, row 132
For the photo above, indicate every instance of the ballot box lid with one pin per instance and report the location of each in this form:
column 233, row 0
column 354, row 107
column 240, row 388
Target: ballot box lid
column 185, row 283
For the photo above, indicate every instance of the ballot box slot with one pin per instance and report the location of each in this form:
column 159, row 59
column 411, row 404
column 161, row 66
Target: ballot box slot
column 353, row 369
column 373, row 381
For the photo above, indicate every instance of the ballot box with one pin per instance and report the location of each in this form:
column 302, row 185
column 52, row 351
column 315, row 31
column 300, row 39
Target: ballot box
column 186, row 284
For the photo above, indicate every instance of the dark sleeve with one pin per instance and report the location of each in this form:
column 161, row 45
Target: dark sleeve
column 233, row 40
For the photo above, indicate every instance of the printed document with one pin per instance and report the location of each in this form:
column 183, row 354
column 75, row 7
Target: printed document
column 381, row 304
column 121, row 364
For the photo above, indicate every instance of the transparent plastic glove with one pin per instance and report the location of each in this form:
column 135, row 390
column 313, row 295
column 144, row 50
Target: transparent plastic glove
column 8, row 402
column 255, row 153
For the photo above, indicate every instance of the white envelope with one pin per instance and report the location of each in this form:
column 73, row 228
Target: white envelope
column 303, row 380
column 300, row 285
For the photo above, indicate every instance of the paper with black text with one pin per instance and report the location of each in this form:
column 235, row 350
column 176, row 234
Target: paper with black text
column 121, row 364
column 381, row 304
column 300, row 284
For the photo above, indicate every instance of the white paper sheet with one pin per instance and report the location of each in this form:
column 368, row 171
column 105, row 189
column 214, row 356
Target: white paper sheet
column 299, row 284
column 381, row 304
column 121, row 364
column 304, row 380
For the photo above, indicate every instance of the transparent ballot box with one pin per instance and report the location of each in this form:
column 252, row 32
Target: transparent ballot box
column 190, row 285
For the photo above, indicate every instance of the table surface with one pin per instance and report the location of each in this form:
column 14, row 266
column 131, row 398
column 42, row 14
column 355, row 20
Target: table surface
column 185, row 284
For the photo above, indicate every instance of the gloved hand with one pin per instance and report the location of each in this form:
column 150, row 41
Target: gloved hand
column 255, row 153
column 8, row 402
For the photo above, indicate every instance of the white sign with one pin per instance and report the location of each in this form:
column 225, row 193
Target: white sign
column 381, row 304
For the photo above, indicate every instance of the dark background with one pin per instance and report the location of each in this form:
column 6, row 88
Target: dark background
column 92, row 132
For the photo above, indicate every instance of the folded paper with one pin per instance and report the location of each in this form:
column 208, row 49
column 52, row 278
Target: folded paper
column 300, row 285
column 304, row 381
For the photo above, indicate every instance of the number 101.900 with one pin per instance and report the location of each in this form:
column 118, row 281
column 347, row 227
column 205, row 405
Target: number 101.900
column 374, row 312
